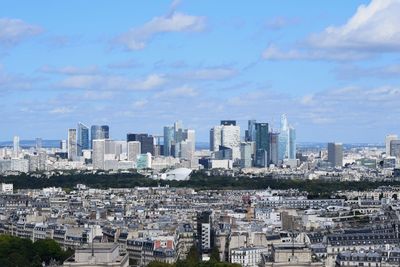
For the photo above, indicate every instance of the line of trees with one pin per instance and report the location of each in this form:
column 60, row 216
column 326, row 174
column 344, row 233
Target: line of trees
column 198, row 180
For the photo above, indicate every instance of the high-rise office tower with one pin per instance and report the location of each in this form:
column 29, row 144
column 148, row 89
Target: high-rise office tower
column 335, row 154
column 190, row 136
column 292, row 143
column 227, row 136
column 63, row 146
column 133, row 150
column 215, row 138
column 83, row 138
column 169, row 139
column 388, row 139
column 72, row 145
column 284, row 139
column 99, row 132
column 262, row 144
column 395, row 148
column 16, row 147
column 274, row 147
column 246, row 152
column 99, row 151
column 251, row 131
column 230, row 137
column 146, row 142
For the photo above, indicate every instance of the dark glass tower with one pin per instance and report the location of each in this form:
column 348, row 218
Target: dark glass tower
column 83, row 138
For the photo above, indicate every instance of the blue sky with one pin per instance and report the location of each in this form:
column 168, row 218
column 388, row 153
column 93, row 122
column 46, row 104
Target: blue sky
column 332, row 66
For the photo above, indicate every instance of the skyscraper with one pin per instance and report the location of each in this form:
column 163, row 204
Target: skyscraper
column 284, row 139
column 99, row 151
column 335, row 154
column 16, row 147
column 215, row 138
column 251, row 131
column 146, row 142
column 274, row 147
column 230, row 137
column 292, row 143
column 133, row 150
column 72, row 145
column 388, row 139
column 227, row 136
column 262, row 144
column 395, row 148
column 246, row 151
column 169, row 139
column 99, row 132
column 83, row 138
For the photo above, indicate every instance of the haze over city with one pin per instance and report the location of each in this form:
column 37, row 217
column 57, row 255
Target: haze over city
column 332, row 67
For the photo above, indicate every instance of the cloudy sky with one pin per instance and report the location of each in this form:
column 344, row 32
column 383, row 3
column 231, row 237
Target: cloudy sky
column 332, row 66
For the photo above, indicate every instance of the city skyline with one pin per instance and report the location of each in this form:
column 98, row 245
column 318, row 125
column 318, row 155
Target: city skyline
column 330, row 67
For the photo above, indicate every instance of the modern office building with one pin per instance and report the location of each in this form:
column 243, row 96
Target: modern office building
column 395, row 148
column 251, row 131
column 335, row 154
column 226, row 136
column 274, row 147
column 262, row 144
column 99, row 151
column 133, row 150
column 292, row 143
column 389, row 138
column 99, row 132
column 16, row 147
column 83, row 138
column 215, row 138
column 144, row 161
column 146, row 142
column 72, row 145
column 169, row 140
column 287, row 140
column 246, row 154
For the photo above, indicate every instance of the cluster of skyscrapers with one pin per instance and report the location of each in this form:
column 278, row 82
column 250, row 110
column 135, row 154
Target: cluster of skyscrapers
column 262, row 145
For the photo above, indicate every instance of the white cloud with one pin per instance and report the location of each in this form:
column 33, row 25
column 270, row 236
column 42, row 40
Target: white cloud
column 373, row 28
column 61, row 110
column 112, row 82
column 272, row 52
column 137, row 38
column 13, row 31
column 69, row 70
column 13, row 81
column 183, row 91
column 217, row 73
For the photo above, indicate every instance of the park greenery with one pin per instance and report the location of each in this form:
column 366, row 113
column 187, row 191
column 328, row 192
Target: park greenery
column 20, row 252
column 199, row 181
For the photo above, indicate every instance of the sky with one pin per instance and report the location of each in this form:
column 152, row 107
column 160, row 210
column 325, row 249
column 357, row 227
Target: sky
column 332, row 66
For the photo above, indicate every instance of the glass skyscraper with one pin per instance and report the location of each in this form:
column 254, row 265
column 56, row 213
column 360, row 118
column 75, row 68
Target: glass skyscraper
column 99, row 132
column 169, row 135
column 262, row 144
column 82, row 138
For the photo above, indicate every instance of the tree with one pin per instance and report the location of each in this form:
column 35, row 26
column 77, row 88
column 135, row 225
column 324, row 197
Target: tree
column 215, row 255
column 159, row 264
